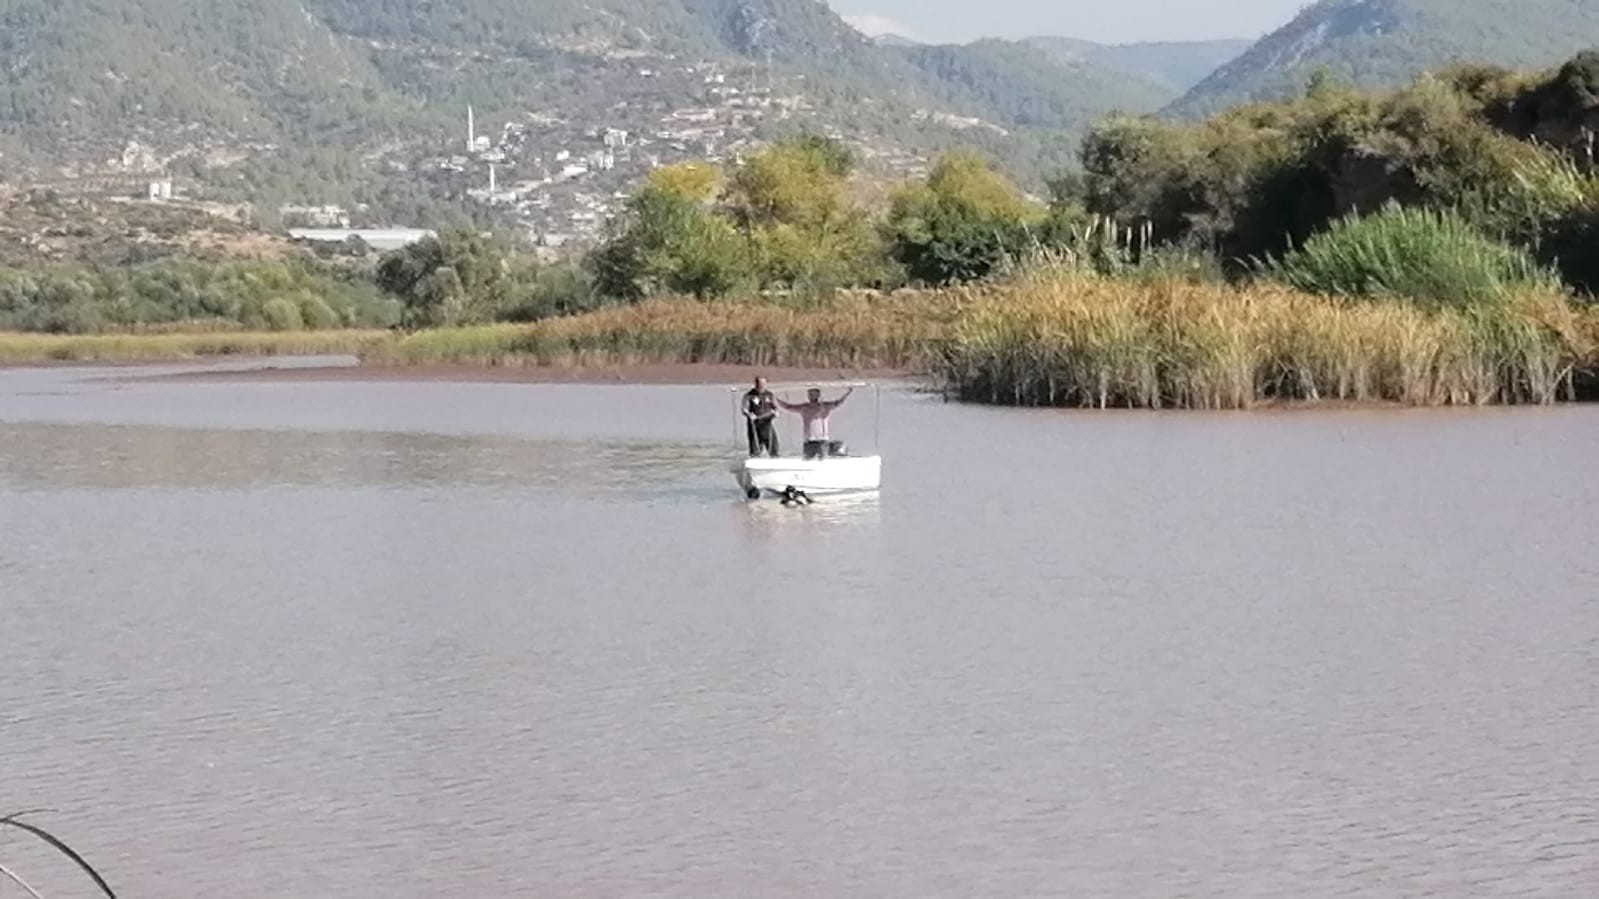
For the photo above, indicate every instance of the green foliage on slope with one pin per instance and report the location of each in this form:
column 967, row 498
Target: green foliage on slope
column 85, row 76
column 1384, row 43
column 1175, row 66
column 1019, row 86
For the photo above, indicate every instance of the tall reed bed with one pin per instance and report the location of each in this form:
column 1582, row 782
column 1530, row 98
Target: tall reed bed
column 1059, row 340
column 21, row 348
column 847, row 331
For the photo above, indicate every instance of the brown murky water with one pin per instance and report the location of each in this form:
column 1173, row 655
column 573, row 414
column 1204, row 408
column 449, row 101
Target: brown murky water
column 498, row 640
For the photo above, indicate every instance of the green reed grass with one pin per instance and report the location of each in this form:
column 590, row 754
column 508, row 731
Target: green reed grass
column 1430, row 256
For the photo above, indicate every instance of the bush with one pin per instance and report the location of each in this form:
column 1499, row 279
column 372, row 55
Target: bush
column 1425, row 255
column 317, row 314
column 282, row 314
column 1260, row 179
column 1571, row 245
column 555, row 291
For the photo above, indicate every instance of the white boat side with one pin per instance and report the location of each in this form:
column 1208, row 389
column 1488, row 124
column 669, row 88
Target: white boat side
column 834, row 474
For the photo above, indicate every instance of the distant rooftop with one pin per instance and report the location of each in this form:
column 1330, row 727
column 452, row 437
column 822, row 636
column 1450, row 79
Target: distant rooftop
column 377, row 238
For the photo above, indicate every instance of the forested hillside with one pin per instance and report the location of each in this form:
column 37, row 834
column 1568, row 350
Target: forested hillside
column 96, row 73
column 1175, row 66
column 1384, row 43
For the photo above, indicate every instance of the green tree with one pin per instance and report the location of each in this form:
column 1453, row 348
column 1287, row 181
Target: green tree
column 962, row 224
column 665, row 243
column 456, row 278
column 696, row 182
column 793, row 203
column 800, row 182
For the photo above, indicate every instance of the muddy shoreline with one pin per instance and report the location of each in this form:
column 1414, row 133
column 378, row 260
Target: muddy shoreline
column 642, row 374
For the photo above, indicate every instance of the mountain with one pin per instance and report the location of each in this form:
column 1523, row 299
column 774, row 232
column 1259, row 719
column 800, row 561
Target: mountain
column 143, row 85
column 894, row 40
column 1173, row 65
column 1384, row 43
column 1023, row 86
column 76, row 68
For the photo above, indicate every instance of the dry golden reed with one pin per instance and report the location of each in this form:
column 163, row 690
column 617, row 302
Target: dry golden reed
column 848, row 331
column 1064, row 340
column 1043, row 338
column 26, row 348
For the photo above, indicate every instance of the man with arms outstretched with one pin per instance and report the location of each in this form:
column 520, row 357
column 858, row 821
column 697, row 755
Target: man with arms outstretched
column 814, row 412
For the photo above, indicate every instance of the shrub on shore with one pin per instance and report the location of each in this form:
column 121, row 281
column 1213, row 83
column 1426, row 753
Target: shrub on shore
column 243, row 295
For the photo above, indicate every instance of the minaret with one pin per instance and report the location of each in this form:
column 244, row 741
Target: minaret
column 491, row 177
column 471, row 131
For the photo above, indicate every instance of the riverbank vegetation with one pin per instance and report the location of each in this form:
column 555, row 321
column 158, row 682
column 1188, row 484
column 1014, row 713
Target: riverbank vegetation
column 1053, row 339
column 848, row 331
column 1435, row 244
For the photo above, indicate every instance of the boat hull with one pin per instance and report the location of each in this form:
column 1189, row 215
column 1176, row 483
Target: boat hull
column 836, row 474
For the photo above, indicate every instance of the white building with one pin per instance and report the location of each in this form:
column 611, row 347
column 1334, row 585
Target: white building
column 381, row 239
column 317, row 216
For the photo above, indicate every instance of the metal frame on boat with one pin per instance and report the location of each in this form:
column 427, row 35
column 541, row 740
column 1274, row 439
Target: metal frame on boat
column 794, row 478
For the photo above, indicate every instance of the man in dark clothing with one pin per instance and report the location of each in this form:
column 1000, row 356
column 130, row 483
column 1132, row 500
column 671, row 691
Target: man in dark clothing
column 760, row 412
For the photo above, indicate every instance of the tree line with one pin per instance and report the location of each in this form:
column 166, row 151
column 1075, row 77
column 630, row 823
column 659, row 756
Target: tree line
column 1478, row 172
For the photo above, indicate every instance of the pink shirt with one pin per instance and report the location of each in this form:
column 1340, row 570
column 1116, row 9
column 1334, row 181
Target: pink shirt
column 815, row 417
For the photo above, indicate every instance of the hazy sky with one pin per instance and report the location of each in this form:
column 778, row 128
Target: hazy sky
column 1126, row 20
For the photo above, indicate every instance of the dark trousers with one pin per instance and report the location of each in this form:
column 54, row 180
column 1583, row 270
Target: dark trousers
column 763, row 437
column 821, row 449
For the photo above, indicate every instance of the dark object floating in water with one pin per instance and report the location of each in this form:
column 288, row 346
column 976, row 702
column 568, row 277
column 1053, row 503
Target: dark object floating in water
column 792, row 497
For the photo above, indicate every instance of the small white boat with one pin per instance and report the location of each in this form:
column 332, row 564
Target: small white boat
column 833, row 474
column 799, row 477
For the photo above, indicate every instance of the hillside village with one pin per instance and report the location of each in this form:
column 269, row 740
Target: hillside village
column 558, row 174
column 517, row 126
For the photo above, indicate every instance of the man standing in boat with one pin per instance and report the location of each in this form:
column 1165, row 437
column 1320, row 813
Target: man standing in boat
column 760, row 410
column 814, row 412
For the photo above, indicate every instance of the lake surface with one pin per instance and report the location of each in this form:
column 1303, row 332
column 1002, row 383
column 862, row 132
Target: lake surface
column 360, row 639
